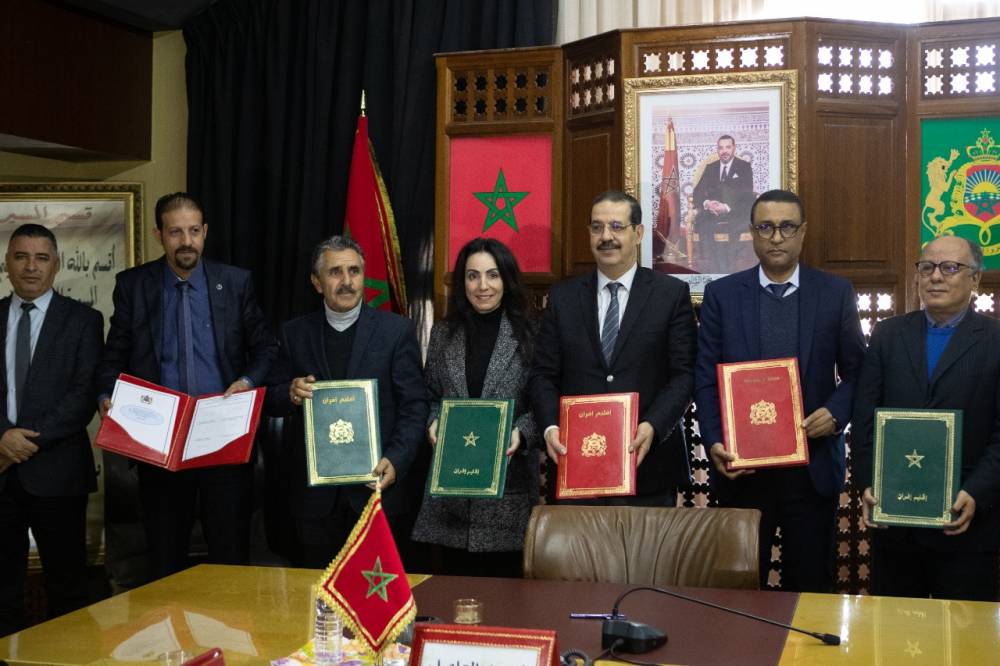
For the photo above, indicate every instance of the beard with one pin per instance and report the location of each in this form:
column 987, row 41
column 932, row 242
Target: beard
column 186, row 257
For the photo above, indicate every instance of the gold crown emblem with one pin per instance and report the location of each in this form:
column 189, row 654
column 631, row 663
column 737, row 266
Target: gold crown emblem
column 594, row 445
column 146, row 399
column 763, row 413
column 341, row 432
column 985, row 149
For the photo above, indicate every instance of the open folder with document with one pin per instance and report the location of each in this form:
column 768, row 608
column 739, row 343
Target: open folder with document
column 175, row 431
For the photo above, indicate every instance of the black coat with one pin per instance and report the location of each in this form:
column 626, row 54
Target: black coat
column 967, row 377
column 653, row 356
column 58, row 400
column 385, row 348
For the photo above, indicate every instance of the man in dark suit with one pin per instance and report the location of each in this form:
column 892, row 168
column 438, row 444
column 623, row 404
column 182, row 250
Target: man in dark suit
column 194, row 326
column 722, row 198
column 621, row 328
column 52, row 346
column 944, row 357
column 348, row 340
column 779, row 309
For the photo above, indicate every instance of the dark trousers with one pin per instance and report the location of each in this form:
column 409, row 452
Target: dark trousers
column 903, row 568
column 322, row 535
column 223, row 497
column 786, row 499
column 59, row 527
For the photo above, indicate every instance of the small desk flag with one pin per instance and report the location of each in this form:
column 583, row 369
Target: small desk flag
column 366, row 584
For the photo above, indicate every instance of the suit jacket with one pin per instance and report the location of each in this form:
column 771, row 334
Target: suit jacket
column 736, row 191
column 482, row 524
column 385, row 348
column 243, row 341
column 653, row 355
column 967, row 377
column 58, row 399
column 830, row 344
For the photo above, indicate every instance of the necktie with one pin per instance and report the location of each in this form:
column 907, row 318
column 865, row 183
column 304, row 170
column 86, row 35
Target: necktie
column 185, row 348
column 610, row 331
column 22, row 353
column 779, row 289
column 725, row 172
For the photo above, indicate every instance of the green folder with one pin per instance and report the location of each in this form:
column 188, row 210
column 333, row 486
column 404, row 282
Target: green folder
column 918, row 459
column 470, row 456
column 342, row 432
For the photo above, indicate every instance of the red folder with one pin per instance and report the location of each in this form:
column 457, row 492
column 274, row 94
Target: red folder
column 112, row 436
column 597, row 431
column 761, row 404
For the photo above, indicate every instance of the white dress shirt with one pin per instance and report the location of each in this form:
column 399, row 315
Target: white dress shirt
column 604, row 295
column 793, row 281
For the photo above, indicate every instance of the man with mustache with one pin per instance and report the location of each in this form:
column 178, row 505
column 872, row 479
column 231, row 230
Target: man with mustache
column 191, row 325
column 51, row 348
column 347, row 340
column 943, row 357
column 780, row 309
column 620, row 329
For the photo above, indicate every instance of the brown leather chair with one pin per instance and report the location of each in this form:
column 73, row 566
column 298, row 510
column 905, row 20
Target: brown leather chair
column 644, row 546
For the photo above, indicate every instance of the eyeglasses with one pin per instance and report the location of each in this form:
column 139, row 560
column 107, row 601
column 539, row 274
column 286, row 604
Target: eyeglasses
column 948, row 268
column 767, row 229
column 597, row 228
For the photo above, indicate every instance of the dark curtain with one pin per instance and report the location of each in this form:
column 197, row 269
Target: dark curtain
column 274, row 88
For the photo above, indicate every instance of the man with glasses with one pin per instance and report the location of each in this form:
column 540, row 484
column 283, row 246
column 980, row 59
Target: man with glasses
column 944, row 357
column 781, row 309
column 621, row 328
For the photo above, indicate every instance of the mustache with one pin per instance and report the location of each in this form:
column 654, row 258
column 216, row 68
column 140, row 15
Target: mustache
column 608, row 245
column 186, row 248
column 346, row 290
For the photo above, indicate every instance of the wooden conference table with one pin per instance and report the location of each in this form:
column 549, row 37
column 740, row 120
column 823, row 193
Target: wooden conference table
column 258, row 613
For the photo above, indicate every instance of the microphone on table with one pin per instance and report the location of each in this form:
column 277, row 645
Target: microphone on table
column 635, row 637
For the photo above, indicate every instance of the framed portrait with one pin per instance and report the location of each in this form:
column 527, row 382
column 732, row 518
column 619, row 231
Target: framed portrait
column 98, row 230
column 698, row 151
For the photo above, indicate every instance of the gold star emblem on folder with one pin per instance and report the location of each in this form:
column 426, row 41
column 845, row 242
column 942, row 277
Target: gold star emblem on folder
column 914, row 459
column 471, row 439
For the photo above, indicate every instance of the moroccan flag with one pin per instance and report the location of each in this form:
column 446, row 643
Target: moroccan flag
column 670, row 203
column 501, row 187
column 366, row 585
column 370, row 222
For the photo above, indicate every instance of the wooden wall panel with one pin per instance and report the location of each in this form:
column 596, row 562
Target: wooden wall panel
column 76, row 87
column 588, row 167
column 855, row 214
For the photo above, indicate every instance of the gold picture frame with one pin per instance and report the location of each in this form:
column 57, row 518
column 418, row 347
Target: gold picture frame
column 672, row 127
column 98, row 228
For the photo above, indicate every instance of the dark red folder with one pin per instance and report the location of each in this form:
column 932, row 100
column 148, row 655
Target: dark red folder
column 597, row 431
column 113, row 437
column 761, row 403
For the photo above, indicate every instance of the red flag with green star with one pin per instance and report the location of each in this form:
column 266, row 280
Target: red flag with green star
column 366, row 584
column 369, row 220
column 501, row 187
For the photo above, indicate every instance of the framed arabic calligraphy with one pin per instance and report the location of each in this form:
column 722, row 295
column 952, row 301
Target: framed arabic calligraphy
column 98, row 228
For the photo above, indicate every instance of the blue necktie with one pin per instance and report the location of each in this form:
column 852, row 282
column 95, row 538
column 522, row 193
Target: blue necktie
column 779, row 289
column 22, row 354
column 610, row 331
column 185, row 347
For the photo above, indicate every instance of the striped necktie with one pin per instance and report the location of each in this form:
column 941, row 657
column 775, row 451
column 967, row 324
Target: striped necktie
column 610, row 331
